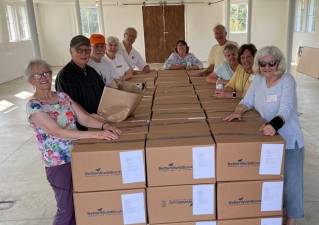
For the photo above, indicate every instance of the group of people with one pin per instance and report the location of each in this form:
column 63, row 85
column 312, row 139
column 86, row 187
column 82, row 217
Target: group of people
column 59, row 117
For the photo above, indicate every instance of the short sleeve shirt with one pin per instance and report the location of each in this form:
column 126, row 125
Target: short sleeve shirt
column 216, row 54
column 133, row 59
column 55, row 151
column 119, row 64
column 224, row 71
column 105, row 69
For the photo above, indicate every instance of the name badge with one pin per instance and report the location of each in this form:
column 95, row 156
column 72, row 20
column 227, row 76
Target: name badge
column 271, row 98
column 119, row 66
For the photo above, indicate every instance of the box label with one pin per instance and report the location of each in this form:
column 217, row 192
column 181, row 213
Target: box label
column 271, row 159
column 203, row 162
column 206, row 223
column 132, row 166
column 271, row 221
column 271, row 199
column 133, row 208
column 203, row 199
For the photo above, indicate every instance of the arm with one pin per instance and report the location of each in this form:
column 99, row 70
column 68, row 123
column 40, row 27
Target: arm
column 211, row 78
column 146, row 69
column 195, row 63
column 44, row 121
column 237, row 114
column 172, row 63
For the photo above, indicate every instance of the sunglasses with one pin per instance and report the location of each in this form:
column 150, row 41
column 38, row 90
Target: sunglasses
column 271, row 63
column 38, row 76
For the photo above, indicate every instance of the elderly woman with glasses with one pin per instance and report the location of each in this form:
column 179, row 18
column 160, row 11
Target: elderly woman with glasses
column 273, row 94
column 182, row 58
column 52, row 115
column 123, row 71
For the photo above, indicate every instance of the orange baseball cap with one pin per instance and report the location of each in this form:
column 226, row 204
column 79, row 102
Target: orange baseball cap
column 97, row 39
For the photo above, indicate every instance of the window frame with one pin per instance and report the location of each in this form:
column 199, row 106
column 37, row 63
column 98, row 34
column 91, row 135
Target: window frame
column 89, row 7
column 313, row 16
column 246, row 19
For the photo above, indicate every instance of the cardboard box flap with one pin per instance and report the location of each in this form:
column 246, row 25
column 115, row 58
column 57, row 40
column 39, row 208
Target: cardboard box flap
column 180, row 128
column 125, row 137
column 185, row 115
column 180, row 141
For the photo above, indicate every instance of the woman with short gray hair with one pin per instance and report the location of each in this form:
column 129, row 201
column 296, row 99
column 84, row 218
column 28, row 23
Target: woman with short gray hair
column 273, row 94
column 52, row 115
column 117, row 60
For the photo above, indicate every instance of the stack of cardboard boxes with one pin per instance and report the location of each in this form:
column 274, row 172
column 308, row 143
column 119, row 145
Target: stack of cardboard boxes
column 194, row 168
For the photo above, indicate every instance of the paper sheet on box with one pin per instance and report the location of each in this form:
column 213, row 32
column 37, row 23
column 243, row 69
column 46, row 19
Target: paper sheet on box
column 203, row 162
column 271, row 221
column 271, row 159
column 132, row 166
column 133, row 208
column 271, row 199
column 203, row 199
column 206, row 223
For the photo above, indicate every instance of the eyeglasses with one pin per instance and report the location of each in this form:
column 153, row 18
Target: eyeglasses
column 271, row 63
column 83, row 50
column 38, row 76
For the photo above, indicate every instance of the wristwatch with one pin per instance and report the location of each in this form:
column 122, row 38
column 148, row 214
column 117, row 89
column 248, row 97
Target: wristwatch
column 234, row 95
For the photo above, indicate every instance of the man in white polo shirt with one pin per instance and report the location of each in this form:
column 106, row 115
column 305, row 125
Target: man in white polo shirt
column 131, row 55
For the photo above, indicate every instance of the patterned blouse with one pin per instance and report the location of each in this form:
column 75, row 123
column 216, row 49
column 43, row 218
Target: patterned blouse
column 55, row 151
column 189, row 59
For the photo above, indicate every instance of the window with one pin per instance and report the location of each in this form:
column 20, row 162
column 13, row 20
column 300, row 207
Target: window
column 311, row 15
column 17, row 23
column 90, row 22
column 238, row 18
column 300, row 12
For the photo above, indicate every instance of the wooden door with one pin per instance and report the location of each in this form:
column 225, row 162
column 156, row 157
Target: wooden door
column 163, row 26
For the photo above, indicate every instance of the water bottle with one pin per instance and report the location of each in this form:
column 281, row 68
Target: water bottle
column 219, row 86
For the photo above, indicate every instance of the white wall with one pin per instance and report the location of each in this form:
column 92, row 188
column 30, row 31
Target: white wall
column 199, row 22
column 269, row 23
column 13, row 55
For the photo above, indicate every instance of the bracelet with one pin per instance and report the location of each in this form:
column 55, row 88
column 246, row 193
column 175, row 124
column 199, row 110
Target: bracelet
column 103, row 125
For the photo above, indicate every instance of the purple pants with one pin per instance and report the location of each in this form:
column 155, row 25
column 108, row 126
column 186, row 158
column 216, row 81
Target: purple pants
column 60, row 179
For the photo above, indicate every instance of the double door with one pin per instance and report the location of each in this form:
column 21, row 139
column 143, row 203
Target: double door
column 163, row 26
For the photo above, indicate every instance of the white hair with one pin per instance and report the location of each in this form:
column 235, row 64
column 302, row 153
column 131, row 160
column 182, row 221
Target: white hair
column 112, row 39
column 38, row 63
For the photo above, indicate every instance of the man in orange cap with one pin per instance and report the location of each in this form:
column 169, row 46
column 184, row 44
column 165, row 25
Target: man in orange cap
column 98, row 60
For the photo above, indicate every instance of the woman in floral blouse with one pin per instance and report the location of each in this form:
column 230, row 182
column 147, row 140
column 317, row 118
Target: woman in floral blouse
column 52, row 115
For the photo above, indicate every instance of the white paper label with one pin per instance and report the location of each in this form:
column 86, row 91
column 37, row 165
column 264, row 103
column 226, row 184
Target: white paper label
column 206, row 223
column 132, row 166
column 203, row 199
column 133, row 208
column 271, row 98
column 271, row 199
column 271, row 159
column 271, row 221
column 203, row 162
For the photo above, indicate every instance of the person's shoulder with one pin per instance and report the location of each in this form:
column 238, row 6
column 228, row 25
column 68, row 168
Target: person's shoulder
column 66, row 71
column 288, row 78
column 33, row 104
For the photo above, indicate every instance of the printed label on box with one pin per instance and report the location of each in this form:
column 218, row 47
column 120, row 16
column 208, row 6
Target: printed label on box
column 271, row 199
column 271, row 221
column 203, row 199
column 132, row 166
column 133, row 208
column 206, row 223
column 271, row 159
column 203, row 162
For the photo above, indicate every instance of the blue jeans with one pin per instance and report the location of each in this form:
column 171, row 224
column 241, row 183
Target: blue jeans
column 293, row 182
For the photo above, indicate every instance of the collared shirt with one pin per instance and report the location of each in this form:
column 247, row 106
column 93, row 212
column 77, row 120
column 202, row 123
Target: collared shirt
column 278, row 100
column 133, row 59
column 83, row 86
column 175, row 58
column 119, row 64
column 105, row 69
column 216, row 54
column 240, row 80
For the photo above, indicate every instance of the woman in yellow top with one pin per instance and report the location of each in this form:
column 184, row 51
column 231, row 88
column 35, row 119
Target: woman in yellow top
column 241, row 79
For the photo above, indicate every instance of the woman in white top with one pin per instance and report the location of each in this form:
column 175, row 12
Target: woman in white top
column 122, row 69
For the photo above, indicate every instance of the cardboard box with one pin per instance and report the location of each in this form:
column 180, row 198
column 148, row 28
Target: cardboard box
column 254, row 221
column 220, row 106
column 132, row 128
column 218, row 116
column 248, row 199
column 181, row 203
column 192, row 128
column 243, row 153
column 171, row 73
column 110, row 207
column 189, row 99
column 178, row 161
column 194, row 73
column 108, row 166
column 185, row 107
column 178, row 116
